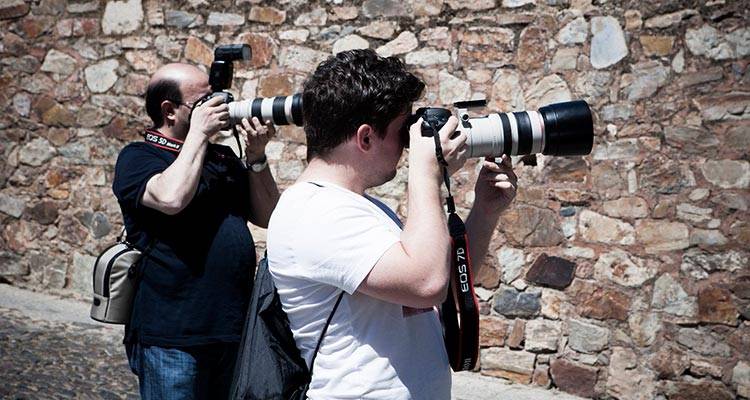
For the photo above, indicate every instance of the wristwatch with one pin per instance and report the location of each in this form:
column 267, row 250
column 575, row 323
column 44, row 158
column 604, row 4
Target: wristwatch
column 259, row 165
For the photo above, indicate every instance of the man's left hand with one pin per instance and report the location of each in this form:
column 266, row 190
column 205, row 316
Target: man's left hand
column 496, row 185
column 256, row 136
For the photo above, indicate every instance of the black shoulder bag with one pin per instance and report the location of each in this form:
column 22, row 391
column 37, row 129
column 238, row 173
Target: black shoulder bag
column 269, row 364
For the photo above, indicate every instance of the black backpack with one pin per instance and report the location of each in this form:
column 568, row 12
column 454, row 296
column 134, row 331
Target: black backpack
column 269, row 364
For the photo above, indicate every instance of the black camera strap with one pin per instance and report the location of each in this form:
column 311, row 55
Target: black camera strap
column 157, row 139
column 460, row 311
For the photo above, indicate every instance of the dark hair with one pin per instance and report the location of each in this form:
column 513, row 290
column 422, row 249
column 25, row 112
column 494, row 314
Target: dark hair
column 156, row 93
column 350, row 89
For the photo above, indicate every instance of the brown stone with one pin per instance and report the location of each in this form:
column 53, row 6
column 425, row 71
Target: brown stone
column 573, row 378
column 518, row 366
column 263, row 47
column 488, row 277
column 657, row 45
column 517, row 334
column 267, row 15
column 13, row 9
column 532, row 226
column 42, row 104
column 119, row 128
column 541, row 376
column 740, row 232
column 703, row 390
column 90, row 116
column 33, row 27
column 566, row 169
column 72, row 231
column 345, row 13
column 659, row 236
column 532, row 48
column 715, row 305
column 492, row 331
column 134, row 84
column 59, row 136
column 21, row 235
column 554, row 272
column 59, row 115
column 606, row 180
column 670, row 362
column 57, row 176
column 489, row 46
column 602, row 303
column 700, row 77
column 45, row 212
column 198, row 53
column 276, row 85
column 741, row 287
column 143, row 60
column 664, row 176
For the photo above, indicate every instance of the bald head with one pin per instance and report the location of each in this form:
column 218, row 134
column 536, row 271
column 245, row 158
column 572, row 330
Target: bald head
column 177, row 72
column 178, row 83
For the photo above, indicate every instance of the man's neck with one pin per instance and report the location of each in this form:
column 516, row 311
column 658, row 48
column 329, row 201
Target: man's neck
column 340, row 174
column 172, row 133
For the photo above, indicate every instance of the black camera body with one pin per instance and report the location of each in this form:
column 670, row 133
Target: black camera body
column 222, row 69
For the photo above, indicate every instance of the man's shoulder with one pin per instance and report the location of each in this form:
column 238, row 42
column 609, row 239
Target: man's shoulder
column 138, row 147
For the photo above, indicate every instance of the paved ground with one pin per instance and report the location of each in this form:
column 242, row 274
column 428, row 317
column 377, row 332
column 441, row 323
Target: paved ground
column 50, row 349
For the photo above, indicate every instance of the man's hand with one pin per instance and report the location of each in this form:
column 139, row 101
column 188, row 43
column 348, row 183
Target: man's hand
column 256, row 136
column 210, row 117
column 496, row 185
column 422, row 148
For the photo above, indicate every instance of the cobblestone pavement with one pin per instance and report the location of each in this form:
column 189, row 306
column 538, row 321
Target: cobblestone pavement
column 59, row 360
column 50, row 349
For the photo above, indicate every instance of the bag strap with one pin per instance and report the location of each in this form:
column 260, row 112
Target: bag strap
column 145, row 252
column 325, row 329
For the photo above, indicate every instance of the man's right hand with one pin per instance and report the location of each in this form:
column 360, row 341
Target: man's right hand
column 422, row 148
column 210, row 117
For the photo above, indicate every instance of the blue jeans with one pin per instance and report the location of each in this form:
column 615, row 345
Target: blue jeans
column 198, row 372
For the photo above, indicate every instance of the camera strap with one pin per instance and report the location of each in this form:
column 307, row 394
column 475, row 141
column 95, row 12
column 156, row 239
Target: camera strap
column 460, row 310
column 155, row 138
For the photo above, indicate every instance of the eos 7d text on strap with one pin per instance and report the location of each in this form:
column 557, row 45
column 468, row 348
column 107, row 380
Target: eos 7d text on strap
column 460, row 311
column 157, row 139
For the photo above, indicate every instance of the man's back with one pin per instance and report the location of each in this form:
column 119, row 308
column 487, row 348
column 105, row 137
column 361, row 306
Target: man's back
column 323, row 239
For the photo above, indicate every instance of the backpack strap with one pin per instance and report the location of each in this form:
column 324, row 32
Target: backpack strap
column 325, row 328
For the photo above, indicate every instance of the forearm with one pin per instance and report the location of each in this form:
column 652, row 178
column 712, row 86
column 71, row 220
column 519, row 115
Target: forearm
column 480, row 226
column 264, row 194
column 172, row 190
column 425, row 236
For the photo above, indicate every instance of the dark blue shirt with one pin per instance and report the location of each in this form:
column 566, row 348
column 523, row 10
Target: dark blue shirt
column 197, row 277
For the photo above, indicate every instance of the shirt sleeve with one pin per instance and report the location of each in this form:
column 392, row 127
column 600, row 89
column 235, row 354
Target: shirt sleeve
column 135, row 166
column 340, row 242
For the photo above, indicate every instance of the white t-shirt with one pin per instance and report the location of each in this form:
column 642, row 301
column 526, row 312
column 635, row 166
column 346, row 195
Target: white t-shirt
column 322, row 240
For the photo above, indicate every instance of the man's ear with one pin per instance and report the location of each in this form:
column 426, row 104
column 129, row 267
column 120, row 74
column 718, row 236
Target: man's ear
column 169, row 112
column 364, row 136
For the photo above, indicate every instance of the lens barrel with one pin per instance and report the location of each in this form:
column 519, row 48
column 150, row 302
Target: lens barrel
column 280, row 110
column 569, row 128
column 560, row 129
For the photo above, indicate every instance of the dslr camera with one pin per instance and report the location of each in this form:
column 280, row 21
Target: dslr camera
column 281, row 110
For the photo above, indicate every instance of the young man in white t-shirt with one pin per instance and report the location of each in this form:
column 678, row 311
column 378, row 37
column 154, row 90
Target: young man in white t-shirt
column 327, row 236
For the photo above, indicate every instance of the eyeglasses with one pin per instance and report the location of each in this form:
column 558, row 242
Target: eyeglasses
column 188, row 105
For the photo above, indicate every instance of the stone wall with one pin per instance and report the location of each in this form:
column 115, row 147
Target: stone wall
column 623, row 274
